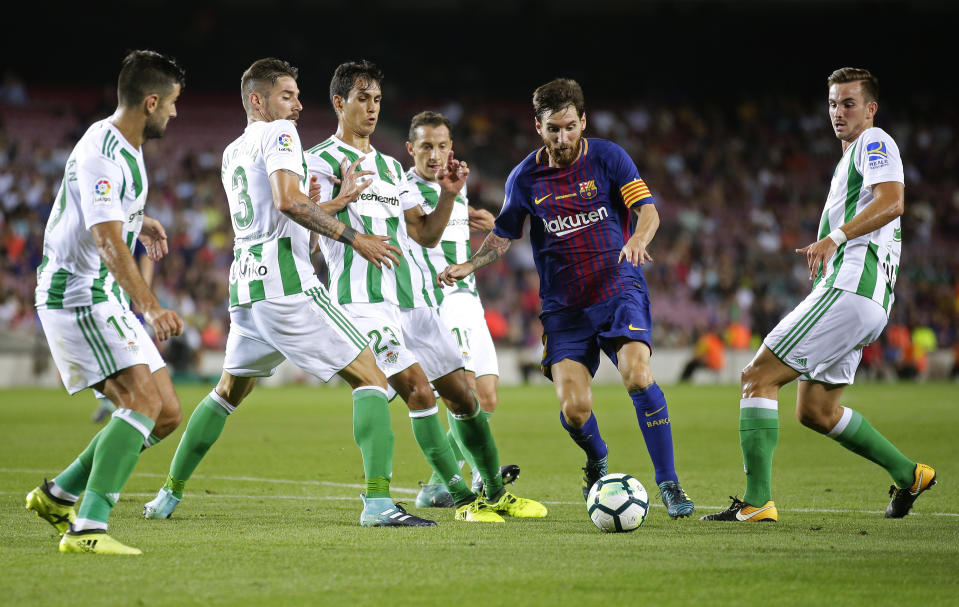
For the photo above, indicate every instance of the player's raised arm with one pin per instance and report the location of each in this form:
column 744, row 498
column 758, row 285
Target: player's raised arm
column 296, row 205
column 108, row 237
column 427, row 229
column 888, row 204
column 492, row 249
column 647, row 222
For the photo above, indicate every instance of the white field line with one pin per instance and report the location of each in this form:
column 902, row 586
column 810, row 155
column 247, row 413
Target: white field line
column 397, row 490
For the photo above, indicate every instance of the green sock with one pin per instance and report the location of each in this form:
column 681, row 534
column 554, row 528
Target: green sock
column 473, row 433
column 74, row 478
column 758, row 435
column 374, row 436
column 151, row 440
column 854, row 432
column 114, row 458
column 428, row 433
column 205, row 425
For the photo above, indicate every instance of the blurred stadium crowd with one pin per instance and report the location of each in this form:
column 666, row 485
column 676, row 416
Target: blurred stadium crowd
column 739, row 186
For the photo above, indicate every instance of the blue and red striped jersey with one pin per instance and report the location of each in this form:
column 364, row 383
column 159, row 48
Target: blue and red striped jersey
column 580, row 220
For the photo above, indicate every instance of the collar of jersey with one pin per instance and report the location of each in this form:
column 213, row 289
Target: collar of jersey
column 119, row 134
column 353, row 149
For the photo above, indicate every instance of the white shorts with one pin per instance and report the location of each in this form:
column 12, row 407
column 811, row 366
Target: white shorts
column 431, row 342
column 92, row 343
column 823, row 337
column 309, row 329
column 462, row 312
column 382, row 324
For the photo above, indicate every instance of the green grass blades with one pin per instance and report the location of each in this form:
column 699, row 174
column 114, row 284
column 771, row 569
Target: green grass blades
column 272, row 515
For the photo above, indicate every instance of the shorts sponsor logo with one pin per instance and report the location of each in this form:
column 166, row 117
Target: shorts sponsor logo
column 101, row 192
column 877, row 155
column 563, row 225
column 285, row 141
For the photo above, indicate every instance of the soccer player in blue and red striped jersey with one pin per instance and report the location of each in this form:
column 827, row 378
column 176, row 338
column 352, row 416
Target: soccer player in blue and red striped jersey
column 592, row 217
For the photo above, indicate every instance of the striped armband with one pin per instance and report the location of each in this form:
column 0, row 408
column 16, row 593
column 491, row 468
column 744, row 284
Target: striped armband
column 634, row 191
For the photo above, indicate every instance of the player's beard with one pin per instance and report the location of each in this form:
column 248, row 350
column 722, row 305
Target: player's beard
column 153, row 129
column 565, row 157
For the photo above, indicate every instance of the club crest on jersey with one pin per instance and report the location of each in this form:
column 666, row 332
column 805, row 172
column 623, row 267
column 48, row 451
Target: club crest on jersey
column 877, row 155
column 391, row 356
column 286, row 142
column 587, row 189
column 101, row 192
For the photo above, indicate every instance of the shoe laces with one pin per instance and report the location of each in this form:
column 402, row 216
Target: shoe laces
column 737, row 504
column 672, row 492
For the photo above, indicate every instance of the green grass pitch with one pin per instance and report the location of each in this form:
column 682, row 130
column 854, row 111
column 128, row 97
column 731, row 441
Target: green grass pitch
column 272, row 515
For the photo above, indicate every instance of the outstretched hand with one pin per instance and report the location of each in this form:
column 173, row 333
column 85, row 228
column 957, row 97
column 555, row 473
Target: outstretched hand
column 480, row 220
column 153, row 238
column 634, row 252
column 452, row 176
column 454, row 273
column 817, row 254
column 377, row 250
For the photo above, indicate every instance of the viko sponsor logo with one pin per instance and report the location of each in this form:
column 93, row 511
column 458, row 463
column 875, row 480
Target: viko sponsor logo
column 247, row 268
column 393, row 201
column 563, row 225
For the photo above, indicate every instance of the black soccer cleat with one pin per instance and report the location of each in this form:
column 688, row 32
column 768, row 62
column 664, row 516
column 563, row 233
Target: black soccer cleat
column 903, row 499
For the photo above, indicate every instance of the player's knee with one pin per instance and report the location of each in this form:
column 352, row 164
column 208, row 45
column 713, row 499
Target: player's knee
column 488, row 400
column 421, row 397
column 753, row 382
column 812, row 419
column 637, row 377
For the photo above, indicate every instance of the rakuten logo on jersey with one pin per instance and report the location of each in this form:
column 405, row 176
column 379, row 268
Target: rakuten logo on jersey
column 563, row 225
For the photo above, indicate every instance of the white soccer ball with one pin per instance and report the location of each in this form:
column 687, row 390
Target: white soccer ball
column 617, row 503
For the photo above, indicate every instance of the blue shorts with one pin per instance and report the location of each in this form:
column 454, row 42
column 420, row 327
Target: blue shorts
column 579, row 333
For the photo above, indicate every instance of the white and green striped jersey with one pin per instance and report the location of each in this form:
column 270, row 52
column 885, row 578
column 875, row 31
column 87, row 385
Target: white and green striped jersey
column 271, row 252
column 104, row 180
column 454, row 246
column 867, row 265
column 380, row 210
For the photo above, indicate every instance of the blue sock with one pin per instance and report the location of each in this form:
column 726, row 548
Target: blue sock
column 653, row 419
column 587, row 437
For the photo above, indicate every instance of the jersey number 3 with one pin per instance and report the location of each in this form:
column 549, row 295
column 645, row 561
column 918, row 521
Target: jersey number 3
column 244, row 217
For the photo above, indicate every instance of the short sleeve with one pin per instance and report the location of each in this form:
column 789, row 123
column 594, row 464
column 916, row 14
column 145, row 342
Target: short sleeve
column 100, row 183
column 320, row 167
column 408, row 196
column 282, row 149
column 625, row 176
column 509, row 222
column 878, row 158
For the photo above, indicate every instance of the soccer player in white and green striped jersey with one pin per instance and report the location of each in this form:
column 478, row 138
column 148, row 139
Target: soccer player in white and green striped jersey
column 460, row 308
column 85, row 285
column 854, row 265
column 278, row 308
column 394, row 307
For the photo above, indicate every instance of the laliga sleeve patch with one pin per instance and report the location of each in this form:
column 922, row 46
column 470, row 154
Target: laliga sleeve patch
column 284, row 143
column 102, row 192
column 877, row 155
